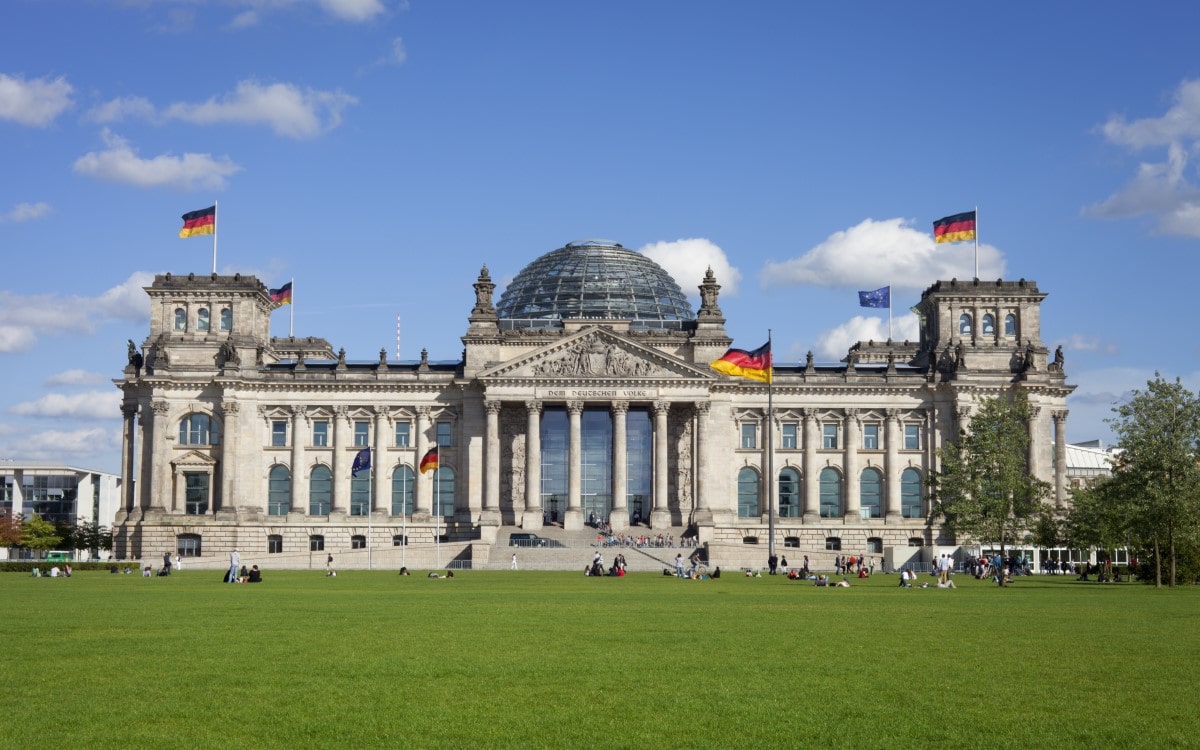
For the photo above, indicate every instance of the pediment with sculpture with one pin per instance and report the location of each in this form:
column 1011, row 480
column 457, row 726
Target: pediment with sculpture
column 595, row 353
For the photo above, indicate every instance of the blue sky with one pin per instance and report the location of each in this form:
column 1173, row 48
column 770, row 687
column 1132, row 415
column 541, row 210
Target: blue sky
column 380, row 152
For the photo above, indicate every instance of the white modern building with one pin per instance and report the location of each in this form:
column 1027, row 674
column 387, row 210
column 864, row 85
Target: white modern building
column 584, row 392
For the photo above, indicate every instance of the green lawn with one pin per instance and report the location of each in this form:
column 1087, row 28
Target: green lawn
column 551, row 660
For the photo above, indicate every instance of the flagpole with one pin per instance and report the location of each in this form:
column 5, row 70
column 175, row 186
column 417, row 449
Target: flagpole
column 370, row 507
column 437, row 503
column 770, row 451
column 889, row 312
column 977, row 242
column 292, row 310
column 214, row 236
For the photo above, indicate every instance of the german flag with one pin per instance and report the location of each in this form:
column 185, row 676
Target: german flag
column 430, row 461
column 203, row 221
column 281, row 296
column 755, row 365
column 954, row 228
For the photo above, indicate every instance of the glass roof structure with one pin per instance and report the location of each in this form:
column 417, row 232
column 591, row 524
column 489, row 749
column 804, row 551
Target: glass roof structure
column 594, row 279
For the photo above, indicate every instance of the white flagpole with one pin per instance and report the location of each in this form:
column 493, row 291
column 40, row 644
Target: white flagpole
column 889, row 312
column 770, row 450
column 292, row 311
column 214, row 236
column 370, row 506
column 437, row 508
column 977, row 242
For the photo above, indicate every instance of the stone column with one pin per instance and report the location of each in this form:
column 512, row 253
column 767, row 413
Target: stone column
column 491, row 452
column 381, row 499
column 340, row 503
column 850, row 464
column 703, row 514
column 619, row 518
column 892, row 436
column 423, row 489
column 299, row 468
column 573, row 520
column 661, row 515
column 230, row 437
column 128, row 462
column 1060, row 457
column 532, row 517
column 812, row 472
column 158, row 445
column 1035, row 465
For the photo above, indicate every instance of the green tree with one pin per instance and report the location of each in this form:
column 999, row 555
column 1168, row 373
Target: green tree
column 90, row 536
column 39, row 534
column 1158, row 430
column 984, row 488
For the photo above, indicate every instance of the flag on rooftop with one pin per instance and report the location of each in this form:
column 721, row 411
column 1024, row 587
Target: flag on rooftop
column 203, row 221
column 881, row 297
column 753, row 365
column 282, row 295
column 954, row 228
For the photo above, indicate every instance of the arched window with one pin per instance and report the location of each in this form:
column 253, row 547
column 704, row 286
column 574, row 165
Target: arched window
column 747, row 492
column 964, row 325
column 198, row 429
column 202, row 319
column 989, row 325
column 789, row 493
column 358, row 541
column 831, row 493
column 320, row 491
column 402, row 491
column 274, row 544
column 279, row 491
column 910, row 494
column 188, row 545
column 870, row 493
column 226, row 319
column 360, row 494
column 443, row 483
column 1010, row 325
column 180, row 319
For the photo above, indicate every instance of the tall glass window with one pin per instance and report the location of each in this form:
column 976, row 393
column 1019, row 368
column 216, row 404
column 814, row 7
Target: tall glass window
column 749, row 435
column 445, row 434
column 198, row 429
column 320, row 433
column 639, row 462
column 789, row 493
column 180, row 319
column 910, row 494
column 362, row 433
column 320, row 491
column 748, row 492
column 829, row 436
column 195, row 493
column 989, row 325
column 1010, row 325
column 555, row 439
column 202, row 319
column 226, row 319
column 279, row 433
column 443, row 487
column 870, row 493
column 791, row 430
column 870, row 437
column 831, row 493
column 279, row 491
column 360, row 494
column 402, row 491
column 912, row 437
column 596, row 484
column 403, row 434
column 964, row 325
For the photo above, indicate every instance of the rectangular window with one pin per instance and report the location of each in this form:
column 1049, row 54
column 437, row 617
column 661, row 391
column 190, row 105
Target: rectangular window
column 402, row 434
column 829, row 436
column 316, row 543
column 790, row 431
column 279, row 433
column 274, row 544
column 749, row 435
column 321, row 433
column 912, row 437
column 444, row 434
column 870, row 437
column 195, row 493
column 362, row 433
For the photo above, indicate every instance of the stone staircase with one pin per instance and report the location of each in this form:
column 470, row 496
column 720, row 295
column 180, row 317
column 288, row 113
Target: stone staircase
column 576, row 551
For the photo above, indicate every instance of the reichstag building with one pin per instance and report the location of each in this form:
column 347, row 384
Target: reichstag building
column 583, row 393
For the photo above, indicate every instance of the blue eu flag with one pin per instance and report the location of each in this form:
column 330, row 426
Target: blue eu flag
column 362, row 462
column 881, row 297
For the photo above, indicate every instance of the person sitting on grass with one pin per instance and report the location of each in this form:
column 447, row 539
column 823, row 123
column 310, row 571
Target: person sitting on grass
column 255, row 575
column 822, row 580
column 842, row 584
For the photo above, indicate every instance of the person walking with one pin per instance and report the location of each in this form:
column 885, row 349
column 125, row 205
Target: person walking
column 235, row 562
column 329, row 571
column 514, row 561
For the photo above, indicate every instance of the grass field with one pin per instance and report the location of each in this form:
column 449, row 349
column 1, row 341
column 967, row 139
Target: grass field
column 551, row 660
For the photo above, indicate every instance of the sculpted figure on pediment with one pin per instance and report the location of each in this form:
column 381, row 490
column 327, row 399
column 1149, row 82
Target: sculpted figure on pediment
column 594, row 357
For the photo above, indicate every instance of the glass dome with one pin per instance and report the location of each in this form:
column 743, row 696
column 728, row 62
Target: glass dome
column 594, row 279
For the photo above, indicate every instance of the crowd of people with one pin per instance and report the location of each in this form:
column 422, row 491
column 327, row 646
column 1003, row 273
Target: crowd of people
column 597, row 567
column 606, row 538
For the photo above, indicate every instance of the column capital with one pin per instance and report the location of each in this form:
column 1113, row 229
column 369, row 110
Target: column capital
column 533, row 406
column 702, row 407
column 619, row 407
column 1034, row 411
column 129, row 410
column 160, row 408
column 230, row 407
column 662, row 407
column 423, row 411
column 492, row 405
column 893, row 415
column 810, row 413
column 1059, row 415
column 575, row 407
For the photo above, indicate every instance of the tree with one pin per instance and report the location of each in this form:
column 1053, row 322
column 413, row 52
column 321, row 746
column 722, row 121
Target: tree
column 984, row 488
column 39, row 534
column 1159, row 432
column 10, row 529
column 90, row 536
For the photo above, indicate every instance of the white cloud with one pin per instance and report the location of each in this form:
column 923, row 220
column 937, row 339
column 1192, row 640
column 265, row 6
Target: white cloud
column 1159, row 189
column 833, row 344
column 90, row 405
column 1079, row 342
column 397, row 55
column 36, row 102
column 75, row 377
column 116, row 110
column 63, row 446
column 287, row 109
column 874, row 253
column 245, row 20
column 25, row 212
column 353, row 10
column 687, row 260
column 24, row 318
column 121, row 163
column 1098, row 391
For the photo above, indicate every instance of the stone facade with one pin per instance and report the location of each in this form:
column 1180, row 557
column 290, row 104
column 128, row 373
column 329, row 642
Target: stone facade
column 239, row 439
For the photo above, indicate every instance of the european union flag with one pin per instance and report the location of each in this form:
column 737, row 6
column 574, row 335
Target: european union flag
column 881, row 297
column 362, row 462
